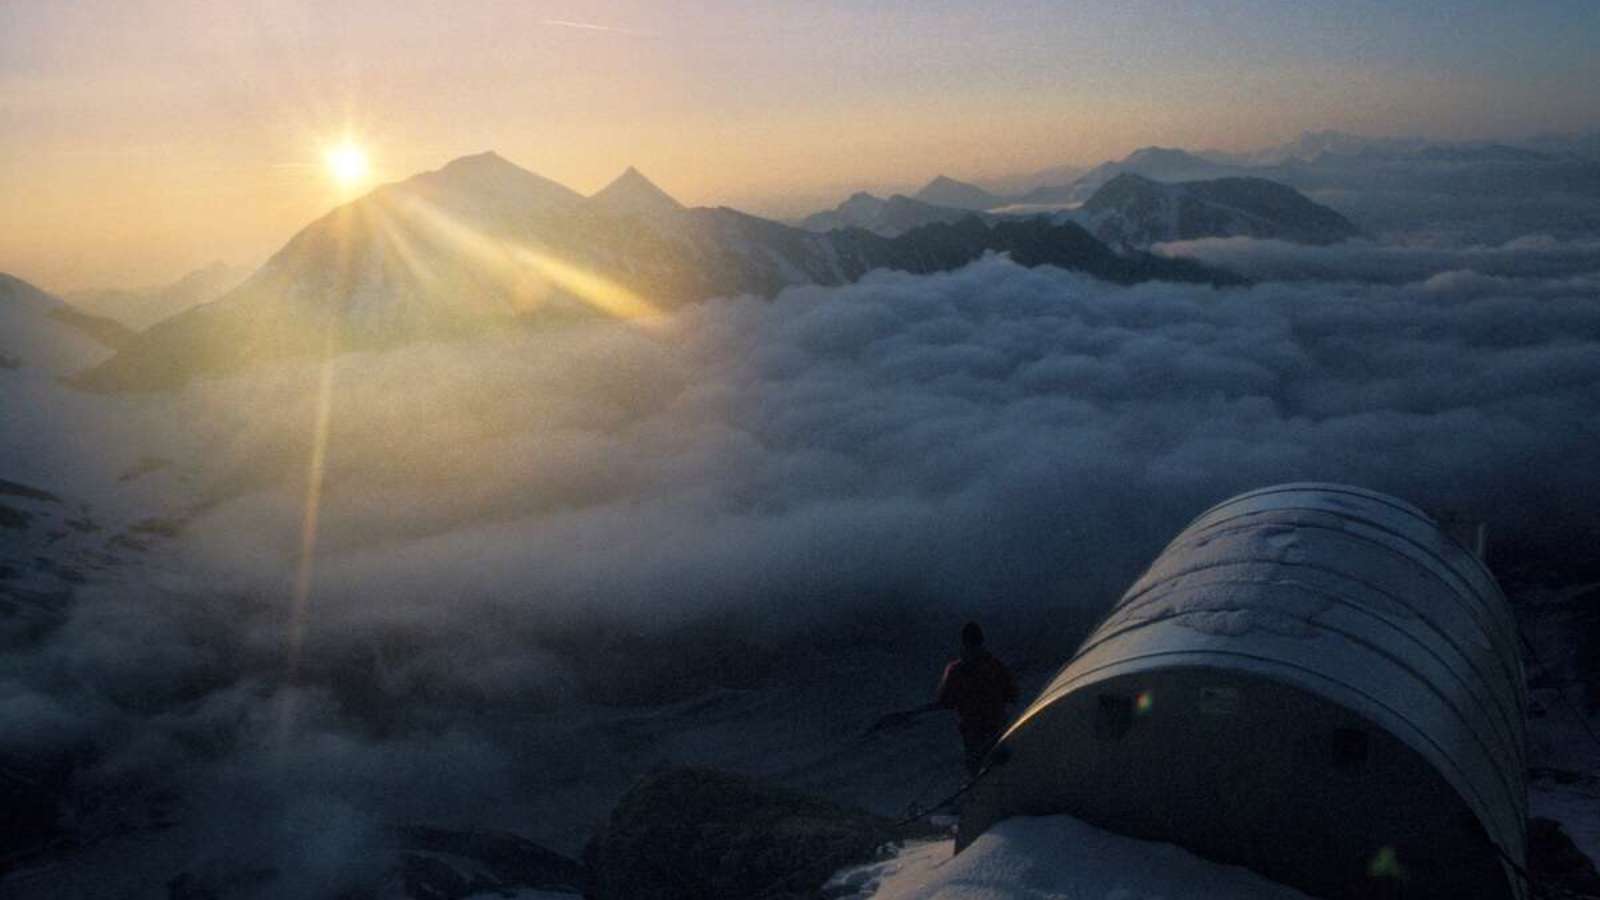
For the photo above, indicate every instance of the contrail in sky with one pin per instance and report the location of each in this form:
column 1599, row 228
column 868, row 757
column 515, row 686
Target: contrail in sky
column 587, row 26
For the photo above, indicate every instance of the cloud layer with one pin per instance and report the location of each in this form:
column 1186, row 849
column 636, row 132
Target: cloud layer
column 1532, row 264
column 998, row 441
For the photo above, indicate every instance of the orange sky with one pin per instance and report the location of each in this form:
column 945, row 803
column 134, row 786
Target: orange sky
column 141, row 139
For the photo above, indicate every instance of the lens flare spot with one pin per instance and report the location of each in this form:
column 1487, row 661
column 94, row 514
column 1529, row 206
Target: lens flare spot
column 1386, row 864
column 1143, row 702
column 347, row 164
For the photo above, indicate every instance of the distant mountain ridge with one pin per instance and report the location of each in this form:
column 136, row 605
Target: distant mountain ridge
column 1134, row 211
column 482, row 243
column 1153, row 194
column 142, row 307
column 1306, row 161
column 1022, row 185
column 1069, row 185
column 945, row 191
column 888, row 217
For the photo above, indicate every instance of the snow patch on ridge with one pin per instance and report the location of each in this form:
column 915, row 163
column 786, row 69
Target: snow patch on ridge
column 1050, row 857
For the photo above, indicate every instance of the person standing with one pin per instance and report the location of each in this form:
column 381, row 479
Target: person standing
column 980, row 689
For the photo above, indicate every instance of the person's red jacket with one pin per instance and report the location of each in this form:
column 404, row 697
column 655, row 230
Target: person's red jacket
column 977, row 687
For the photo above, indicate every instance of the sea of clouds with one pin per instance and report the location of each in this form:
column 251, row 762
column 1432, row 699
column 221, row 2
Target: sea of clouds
column 998, row 442
column 1535, row 265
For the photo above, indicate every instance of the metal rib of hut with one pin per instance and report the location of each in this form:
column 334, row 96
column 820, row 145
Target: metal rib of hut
column 1313, row 681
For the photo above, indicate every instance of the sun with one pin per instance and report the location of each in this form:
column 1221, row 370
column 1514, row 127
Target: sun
column 347, row 163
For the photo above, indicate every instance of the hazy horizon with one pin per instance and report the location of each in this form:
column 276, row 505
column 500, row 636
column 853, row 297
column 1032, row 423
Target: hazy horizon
column 145, row 140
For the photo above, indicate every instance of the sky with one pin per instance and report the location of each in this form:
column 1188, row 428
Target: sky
column 142, row 139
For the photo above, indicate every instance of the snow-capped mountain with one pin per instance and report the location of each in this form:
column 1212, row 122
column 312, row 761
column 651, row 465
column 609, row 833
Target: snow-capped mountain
column 943, row 191
column 139, row 308
column 1133, row 211
column 56, row 441
column 482, row 243
column 42, row 334
column 896, row 215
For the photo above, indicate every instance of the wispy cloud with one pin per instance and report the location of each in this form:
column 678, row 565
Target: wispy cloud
column 589, row 26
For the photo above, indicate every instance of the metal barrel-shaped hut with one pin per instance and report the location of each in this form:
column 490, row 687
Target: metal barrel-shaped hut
column 1313, row 681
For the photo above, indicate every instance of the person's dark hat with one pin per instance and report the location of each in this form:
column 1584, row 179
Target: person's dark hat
column 972, row 634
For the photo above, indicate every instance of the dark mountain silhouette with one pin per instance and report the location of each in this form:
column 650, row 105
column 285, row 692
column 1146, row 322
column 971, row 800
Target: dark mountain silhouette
column 1133, row 211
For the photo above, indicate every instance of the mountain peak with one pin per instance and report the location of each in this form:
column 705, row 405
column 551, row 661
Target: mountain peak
column 488, row 180
column 1162, row 155
column 634, row 194
column 1125, row 188
column 484, row 169
column 488, row 160
column 861, row 203
column 946, row 191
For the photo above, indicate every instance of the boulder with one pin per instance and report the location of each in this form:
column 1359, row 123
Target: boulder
column 698, row 833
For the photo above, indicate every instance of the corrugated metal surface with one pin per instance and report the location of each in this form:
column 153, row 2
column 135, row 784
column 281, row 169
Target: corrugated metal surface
column 1356, row 605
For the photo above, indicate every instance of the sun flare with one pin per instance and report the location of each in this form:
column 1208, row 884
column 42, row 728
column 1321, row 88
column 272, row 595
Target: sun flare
column 347, row 164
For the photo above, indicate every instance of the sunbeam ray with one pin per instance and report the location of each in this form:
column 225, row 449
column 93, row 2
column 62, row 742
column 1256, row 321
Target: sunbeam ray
column 305, row 565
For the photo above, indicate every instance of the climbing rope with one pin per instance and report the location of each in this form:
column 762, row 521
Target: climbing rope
column 995, row 759
column 914, row 809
